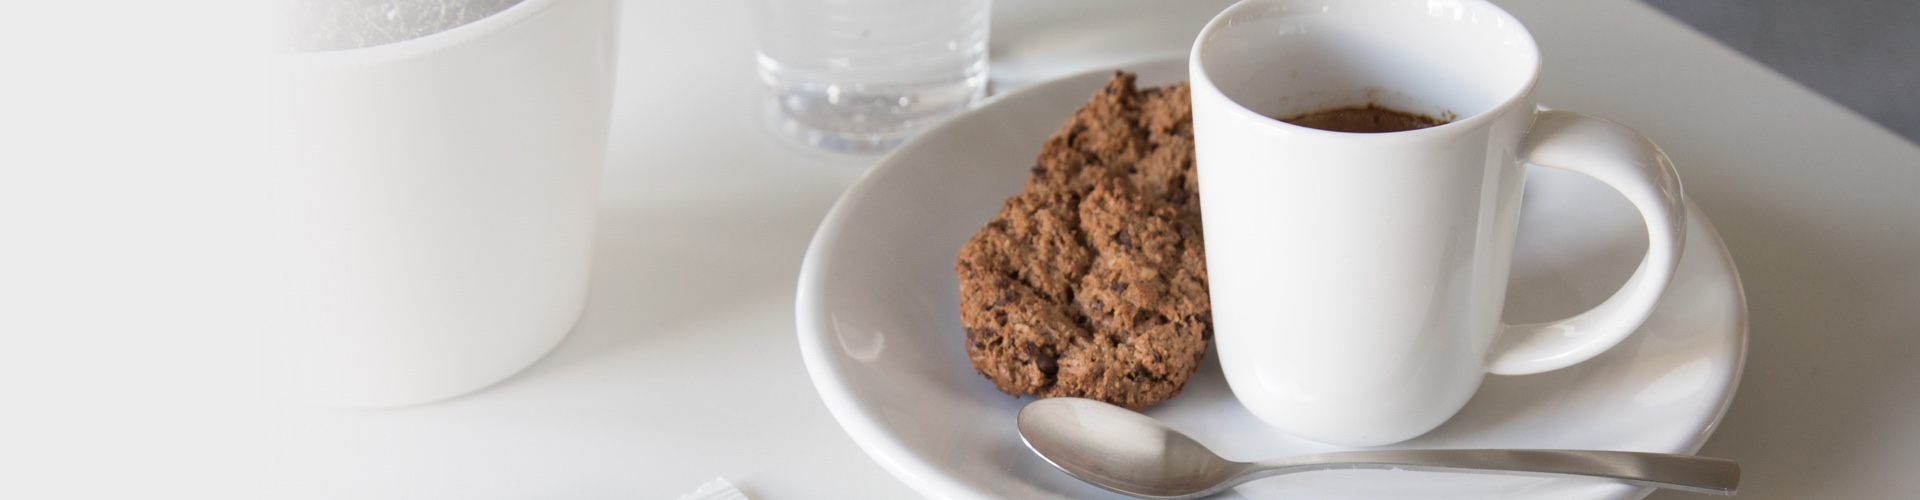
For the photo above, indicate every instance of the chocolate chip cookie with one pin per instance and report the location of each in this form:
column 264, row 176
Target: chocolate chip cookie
column 1092, row 281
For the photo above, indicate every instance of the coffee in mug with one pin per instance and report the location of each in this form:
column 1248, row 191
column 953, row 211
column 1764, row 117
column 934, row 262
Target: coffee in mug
column 1357, row 279
column 1369, row 119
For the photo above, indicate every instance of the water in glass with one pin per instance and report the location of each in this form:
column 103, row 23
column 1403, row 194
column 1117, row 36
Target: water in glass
column 864, row 75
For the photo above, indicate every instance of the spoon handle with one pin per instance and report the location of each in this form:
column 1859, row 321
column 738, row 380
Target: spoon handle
column 1717, row 476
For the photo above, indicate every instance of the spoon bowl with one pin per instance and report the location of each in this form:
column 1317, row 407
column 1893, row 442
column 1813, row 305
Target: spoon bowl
column 1134, row 454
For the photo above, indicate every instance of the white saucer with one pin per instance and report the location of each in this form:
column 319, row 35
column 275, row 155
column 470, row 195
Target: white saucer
column 880, row 332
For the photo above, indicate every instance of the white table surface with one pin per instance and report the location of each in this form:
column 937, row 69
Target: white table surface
column 685, row 365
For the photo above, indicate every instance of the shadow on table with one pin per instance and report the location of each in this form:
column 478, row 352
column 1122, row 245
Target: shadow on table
column 660, row 267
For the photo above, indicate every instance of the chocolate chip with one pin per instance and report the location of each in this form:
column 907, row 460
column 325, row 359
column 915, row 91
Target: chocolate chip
column 1046, row 364
column 1140, row 375
column 1186, row 231
column 1126, row 240
column 1120, row 287
column 1039, row 170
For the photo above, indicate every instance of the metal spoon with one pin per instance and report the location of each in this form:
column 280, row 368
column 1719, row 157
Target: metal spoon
column 1120, row 450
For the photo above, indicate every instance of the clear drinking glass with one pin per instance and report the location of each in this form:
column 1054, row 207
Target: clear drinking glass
column 862, row 76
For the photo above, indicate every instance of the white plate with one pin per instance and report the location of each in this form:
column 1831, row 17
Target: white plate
column 880, row 331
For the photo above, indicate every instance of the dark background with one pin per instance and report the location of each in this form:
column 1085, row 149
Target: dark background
column 1863, row 54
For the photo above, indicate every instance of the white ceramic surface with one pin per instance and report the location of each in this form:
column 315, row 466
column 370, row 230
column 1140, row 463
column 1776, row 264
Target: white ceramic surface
column 436, row 202
column 1358, row 278
column 879, row 331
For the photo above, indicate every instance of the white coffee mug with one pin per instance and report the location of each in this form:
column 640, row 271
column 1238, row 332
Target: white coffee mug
column 1357, row 279
column 435, row 204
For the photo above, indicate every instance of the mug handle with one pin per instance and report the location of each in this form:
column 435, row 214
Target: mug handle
column 1633, row 165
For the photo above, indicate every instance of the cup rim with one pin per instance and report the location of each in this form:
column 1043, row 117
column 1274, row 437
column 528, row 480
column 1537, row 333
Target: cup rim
column 1202, row 84
column 415, row 47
